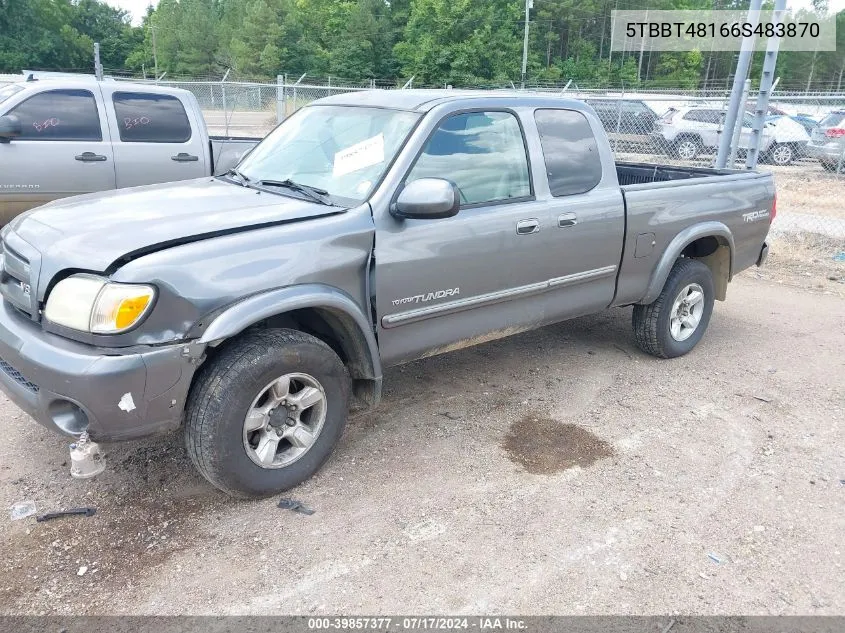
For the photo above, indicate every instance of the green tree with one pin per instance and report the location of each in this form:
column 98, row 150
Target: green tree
column 461, row 41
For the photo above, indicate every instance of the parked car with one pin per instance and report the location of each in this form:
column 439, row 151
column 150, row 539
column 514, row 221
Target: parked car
column 807, row 122
column 62, row 137
column 691, row 131
column 367, row 230
column 625, row 120
column 827, row 142
column 790, row 139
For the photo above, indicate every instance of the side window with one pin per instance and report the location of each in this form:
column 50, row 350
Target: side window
column 481, row 152
column 716, row 117
column 570, row 151
column 59, row 115
column 695, row 115
column 143, row 117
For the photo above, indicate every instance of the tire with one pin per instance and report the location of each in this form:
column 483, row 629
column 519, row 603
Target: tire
column 781, row 154
column 653, row 322
column 686, row 148
column 246, row 377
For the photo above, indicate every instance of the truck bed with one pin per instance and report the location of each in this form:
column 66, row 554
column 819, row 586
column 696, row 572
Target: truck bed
column 662, row 201
column 644, row 173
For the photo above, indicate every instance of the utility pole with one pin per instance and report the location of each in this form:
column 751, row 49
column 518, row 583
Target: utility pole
column 767, row 86
column 735, row 108
column 155, row 53
column 98, row 67
column 528, row 5
column 642, row 51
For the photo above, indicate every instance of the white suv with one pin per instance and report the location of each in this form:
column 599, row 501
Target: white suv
column 690, row 131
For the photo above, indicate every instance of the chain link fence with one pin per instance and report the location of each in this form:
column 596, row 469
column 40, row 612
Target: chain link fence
column 803, row 142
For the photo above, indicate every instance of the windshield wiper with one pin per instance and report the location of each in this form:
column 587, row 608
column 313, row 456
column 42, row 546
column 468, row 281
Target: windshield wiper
column 243, row 179
column 314, row 193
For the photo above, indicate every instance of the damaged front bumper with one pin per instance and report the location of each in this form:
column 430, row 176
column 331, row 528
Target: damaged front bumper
column 70, row 387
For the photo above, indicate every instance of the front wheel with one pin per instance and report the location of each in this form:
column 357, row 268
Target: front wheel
column 675, row 322
column 266, row 412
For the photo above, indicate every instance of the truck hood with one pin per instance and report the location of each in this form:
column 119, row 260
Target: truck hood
column 93, row 232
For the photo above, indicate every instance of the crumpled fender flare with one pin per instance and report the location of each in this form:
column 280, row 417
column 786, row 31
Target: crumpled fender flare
column 249, row 311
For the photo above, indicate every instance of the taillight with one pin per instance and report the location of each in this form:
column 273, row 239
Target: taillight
column 835, row 132
column 774, row 209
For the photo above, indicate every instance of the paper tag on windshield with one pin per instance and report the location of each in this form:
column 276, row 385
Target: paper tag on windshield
column 364, row 154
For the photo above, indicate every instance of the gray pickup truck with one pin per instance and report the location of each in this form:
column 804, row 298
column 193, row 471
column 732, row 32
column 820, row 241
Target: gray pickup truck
column 367, row 230
column 63, row 137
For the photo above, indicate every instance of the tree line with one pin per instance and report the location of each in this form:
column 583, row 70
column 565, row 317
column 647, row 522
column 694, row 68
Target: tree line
column 457, row 42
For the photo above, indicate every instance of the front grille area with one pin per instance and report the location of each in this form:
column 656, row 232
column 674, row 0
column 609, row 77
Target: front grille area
column 15, row 280
column 17, row 376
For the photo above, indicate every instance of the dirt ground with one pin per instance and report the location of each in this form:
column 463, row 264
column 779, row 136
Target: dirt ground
column 558, row 471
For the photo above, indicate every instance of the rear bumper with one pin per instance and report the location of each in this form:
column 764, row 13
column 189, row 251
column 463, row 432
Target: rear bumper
column 829, row 152
column 69, row 387
column 764, row 254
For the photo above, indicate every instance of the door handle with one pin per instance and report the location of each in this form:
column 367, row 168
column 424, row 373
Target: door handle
column 567, row 219
column 90, row 157
column 527, row 227
column 182, row 157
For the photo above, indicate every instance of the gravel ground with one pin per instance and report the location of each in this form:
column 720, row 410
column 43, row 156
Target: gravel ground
column 558, row 471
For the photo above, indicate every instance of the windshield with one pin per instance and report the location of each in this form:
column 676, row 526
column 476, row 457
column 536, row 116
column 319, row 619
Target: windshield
column 342, row 149
column 8, row 91
column 833, row 119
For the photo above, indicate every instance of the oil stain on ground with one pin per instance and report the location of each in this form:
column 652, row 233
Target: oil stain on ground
column 543, row 446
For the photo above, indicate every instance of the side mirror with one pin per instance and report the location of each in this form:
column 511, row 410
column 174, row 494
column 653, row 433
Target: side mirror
column 10, row 127
column 427, row 199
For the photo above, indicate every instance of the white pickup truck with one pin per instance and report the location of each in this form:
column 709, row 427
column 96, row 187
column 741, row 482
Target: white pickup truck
column 64, row 137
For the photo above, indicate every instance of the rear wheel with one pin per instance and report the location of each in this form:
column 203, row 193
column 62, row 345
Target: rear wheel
column 265, row 414
column 781, row 154
column 675, row 322
column 686, row 148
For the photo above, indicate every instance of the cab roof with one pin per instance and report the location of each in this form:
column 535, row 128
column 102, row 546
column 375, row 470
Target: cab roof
column 425, row 100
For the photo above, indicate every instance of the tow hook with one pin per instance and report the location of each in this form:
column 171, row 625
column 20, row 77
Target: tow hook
column 86, row 458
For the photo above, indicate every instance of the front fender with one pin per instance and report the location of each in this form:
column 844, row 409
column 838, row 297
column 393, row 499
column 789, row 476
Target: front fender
column 676, row 247
column 353, row 322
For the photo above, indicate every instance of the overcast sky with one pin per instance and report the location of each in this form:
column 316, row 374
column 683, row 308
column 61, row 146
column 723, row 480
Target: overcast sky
column 136, row 7
column 139, row 7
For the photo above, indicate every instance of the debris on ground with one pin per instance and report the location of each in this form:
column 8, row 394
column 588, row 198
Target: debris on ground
column 22, row 509
column 714, row 558
column 82, row 570
column 87, row 512
column 296, row 506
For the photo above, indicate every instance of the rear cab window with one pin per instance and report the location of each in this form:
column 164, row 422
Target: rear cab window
column 144, row 117
column 570, row 151
column 832, row 120
column 59, row 115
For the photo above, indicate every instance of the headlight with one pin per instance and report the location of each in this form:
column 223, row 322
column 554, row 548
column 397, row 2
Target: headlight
column 93, row 304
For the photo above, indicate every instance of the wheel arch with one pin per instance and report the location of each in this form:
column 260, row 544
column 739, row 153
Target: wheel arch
column 710, row 242
column 690, row 136
column 317, row 309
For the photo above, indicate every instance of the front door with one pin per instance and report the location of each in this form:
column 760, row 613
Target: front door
column 63, row 150
column 448, row 283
